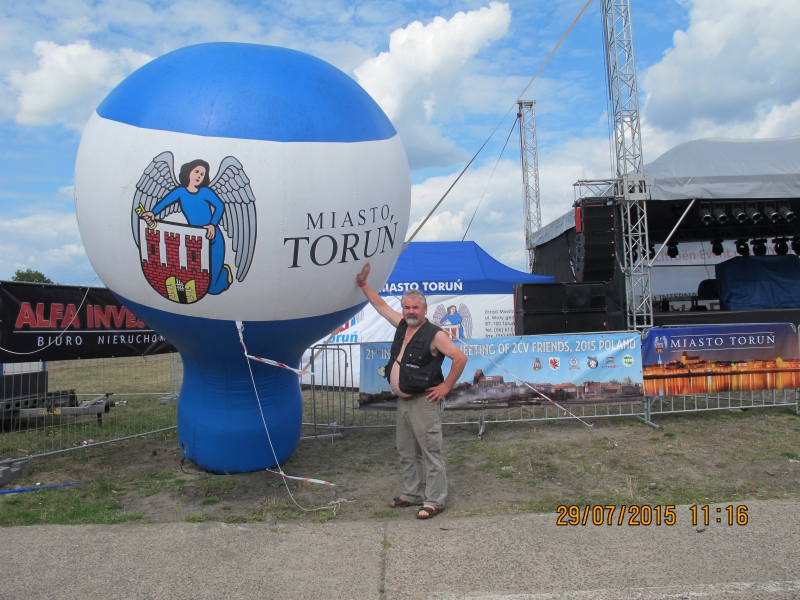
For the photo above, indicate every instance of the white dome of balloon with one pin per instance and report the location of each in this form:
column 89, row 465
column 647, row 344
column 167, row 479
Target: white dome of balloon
column 235, row 182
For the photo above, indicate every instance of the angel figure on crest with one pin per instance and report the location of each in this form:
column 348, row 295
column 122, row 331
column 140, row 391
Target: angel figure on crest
column 224, row 203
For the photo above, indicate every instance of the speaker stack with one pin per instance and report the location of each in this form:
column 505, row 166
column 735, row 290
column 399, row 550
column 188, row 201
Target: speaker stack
column 595, row 241
column 552, row 308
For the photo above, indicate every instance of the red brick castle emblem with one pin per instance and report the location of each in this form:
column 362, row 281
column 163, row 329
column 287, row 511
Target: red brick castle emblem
column 175, row 261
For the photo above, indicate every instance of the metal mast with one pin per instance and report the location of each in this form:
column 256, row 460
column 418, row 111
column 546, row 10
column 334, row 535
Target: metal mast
column 632, row 189
column 530, row 173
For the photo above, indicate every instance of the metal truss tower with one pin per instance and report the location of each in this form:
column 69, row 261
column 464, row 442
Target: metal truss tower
column 632, row 187
column 530, row 174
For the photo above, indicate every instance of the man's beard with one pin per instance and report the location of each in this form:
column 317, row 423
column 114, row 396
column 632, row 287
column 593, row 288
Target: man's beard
column 412, row 320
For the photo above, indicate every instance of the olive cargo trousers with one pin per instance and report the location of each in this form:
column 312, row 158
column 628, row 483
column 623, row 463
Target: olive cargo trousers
column 419, row 443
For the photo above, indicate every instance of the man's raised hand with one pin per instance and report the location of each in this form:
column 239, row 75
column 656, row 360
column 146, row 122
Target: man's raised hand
column 361, row 278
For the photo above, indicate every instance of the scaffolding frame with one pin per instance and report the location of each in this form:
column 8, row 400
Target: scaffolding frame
column 530, row 174
column 631, row 188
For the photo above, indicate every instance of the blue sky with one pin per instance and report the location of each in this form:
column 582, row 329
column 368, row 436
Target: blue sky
column 445, row 72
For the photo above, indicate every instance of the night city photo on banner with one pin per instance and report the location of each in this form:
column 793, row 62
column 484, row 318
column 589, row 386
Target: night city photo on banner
column 720, row 358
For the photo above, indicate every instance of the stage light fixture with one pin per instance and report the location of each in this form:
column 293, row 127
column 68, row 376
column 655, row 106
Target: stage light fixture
column 652, row 252
column 742, row 248
column 796, row 245
column 719, row 215
column 772, row 214
column 753, row 214
column 705, row 214
column 672, row 250
column 787, row 213
column 716, row 247
column 781, row 247
column 759, row 246
column 739, row 214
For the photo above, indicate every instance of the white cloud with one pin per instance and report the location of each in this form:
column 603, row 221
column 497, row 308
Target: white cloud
column 497, row 227
column 59, row 253
column 563, row 165
column 499, row 224
column 70, row 82
column 734, row 72
column 414, row 81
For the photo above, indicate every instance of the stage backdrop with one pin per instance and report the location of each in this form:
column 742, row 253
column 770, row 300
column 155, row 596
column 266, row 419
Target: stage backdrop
column 567, row 368
column 34, row 315
column 720, row 358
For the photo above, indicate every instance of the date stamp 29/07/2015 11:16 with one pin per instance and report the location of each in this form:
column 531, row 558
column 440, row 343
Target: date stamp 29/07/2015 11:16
column 648, row 514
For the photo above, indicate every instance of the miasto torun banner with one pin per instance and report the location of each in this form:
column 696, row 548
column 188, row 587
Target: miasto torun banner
column 54, row 322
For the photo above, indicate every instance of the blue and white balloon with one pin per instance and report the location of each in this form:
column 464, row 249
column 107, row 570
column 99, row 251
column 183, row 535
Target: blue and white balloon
column 235, row 182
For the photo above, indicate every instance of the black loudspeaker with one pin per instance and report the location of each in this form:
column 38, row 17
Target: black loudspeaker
column 539, row 323
column 593, row 320
column 538, row 297
column 584, row 296
column 552, row 308
column 595, row 242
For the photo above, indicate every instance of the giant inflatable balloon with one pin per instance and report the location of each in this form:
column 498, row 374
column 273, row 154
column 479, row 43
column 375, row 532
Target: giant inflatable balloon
column 235, row 182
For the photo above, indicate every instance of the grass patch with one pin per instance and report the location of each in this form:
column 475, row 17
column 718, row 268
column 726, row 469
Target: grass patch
column 216, row 485
column 322, row 516
column 228, row 519
column 88, row 503
column 207, row 501
column 157, row 482
column 387, row 513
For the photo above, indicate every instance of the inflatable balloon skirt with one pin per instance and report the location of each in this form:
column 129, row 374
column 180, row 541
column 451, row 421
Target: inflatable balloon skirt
column 220, row 426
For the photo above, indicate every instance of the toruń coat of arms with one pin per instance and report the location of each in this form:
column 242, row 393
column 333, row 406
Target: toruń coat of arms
column 184, row 261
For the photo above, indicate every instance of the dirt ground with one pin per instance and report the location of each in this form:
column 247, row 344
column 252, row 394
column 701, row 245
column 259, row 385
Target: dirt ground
column 516, row 467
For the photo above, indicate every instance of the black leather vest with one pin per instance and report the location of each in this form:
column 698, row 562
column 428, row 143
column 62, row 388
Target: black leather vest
column 419, row 368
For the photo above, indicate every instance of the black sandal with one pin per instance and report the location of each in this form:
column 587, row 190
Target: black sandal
column 401, row 502
column 432, row 512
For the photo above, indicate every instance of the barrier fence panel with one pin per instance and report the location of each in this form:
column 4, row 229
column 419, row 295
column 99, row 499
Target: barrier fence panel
column 71, row 404
column 80, row 402
column 332, row 401
column 723, row 401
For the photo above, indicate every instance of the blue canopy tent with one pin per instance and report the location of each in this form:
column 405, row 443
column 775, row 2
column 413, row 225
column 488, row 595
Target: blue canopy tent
column 449, row 263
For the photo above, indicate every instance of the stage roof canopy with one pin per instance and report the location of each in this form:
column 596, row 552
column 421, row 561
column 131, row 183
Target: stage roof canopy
column 721, row 169
column 713, row 170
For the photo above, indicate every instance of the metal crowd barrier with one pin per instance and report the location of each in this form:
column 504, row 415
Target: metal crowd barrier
column 333, row 404
column 722, row 401
column 64, row 405
column 73, row 404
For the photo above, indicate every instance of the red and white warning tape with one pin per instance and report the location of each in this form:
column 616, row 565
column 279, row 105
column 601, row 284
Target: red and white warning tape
column 306, row 479
column 267, row 361
column 275, row 363
column 240, row 329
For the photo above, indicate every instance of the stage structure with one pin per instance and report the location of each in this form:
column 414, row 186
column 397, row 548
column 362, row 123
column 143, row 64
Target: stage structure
column 530, row 174
column 629, row 190
column 599, row 246
column 713, row 192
